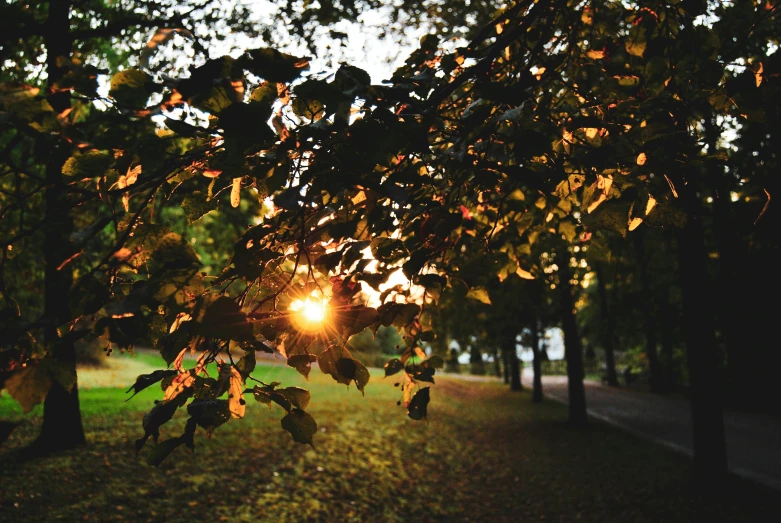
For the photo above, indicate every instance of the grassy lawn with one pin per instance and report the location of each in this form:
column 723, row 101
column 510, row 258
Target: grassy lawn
column 485, row 455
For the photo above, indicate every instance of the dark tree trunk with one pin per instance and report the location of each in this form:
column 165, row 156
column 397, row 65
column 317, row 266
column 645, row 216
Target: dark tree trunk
column 710, row 455
column 608, row 328
column 536, row 364
column 655, row 379
column 476, row 360
column 506, row 366
column 62, row 427
column 515, row 364
column 734, row 324
column 497, row 363
column 573, row 349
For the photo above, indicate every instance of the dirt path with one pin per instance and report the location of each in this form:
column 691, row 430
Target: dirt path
column 753, row 441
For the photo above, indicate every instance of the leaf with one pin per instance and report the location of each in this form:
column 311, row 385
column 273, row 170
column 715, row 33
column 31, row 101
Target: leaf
column 297, row 396
column 641, row 159
column 91, row 164
column 393, row 366
column 196, row 205
column 131, row 88
column 145, row 380
column 267, row 394
column 346, row 368
column 353, row 320
column 361, row 377
column 274, row 66
column 160, row 414
column 236, row 192
column 302, row 363
column 163, row 450
column 479, row 294
column 418, row 407
column 222, row 318
column 300, row 425
column 635, row 42
column 327, row 360
column 29, row 386
column 209, row 414
column 246, row 364
column 236, row 403
column 398, row 314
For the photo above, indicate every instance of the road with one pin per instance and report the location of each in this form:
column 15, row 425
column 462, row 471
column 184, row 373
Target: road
column 753, row 441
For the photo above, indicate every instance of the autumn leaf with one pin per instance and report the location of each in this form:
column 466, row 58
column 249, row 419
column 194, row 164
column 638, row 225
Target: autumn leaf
column 236, row 403
column 301, row 426
column 418, row 407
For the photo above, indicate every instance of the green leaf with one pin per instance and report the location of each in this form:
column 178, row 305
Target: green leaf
column 307, row 108
column 302, row 363
column 246, row 364
column 327, row 360
column 91, row 164
column 479, row 294
column 163, row 450
column 195, row 206
column 393, row 366
column 301, row 426
column 361, row 376
column 297, row 396
column 267, row 394
column 418, row 407
column 131, row 88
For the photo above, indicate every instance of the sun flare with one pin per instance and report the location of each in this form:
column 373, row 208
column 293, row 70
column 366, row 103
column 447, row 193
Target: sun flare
column 310, row 313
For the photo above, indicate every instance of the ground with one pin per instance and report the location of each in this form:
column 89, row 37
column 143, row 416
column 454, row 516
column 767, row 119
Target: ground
column 486, row 454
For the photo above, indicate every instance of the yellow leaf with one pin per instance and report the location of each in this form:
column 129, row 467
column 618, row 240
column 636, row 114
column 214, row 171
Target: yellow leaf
column 641, row 159
column 180, row 384
column 526, row 275
column 591, row 132
column 634, row 223
column 479, row 294
column 758, row 74
column 358, row 198
column 650, row 204
column 235, row 192
column 236, row 403
column 595, row 55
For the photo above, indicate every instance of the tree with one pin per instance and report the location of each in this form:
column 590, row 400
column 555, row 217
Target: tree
column 555, row 121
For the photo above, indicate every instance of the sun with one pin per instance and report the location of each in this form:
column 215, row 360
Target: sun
column 309, row 314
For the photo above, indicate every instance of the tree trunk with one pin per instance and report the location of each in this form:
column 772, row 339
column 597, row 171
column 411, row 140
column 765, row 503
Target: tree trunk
column 62, row 427
column 506, row 366
column 515, row 364
column 734, row 325
column 655, row 379
column 476, row 360
column 710, row 455
column 536, row 364
column 608, row 328
column 497, row 364
column 573, row 349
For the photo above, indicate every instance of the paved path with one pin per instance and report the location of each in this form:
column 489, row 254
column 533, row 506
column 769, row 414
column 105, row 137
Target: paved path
column 753, row 441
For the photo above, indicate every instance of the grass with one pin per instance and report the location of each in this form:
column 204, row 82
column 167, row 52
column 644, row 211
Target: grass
column 485, row 455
